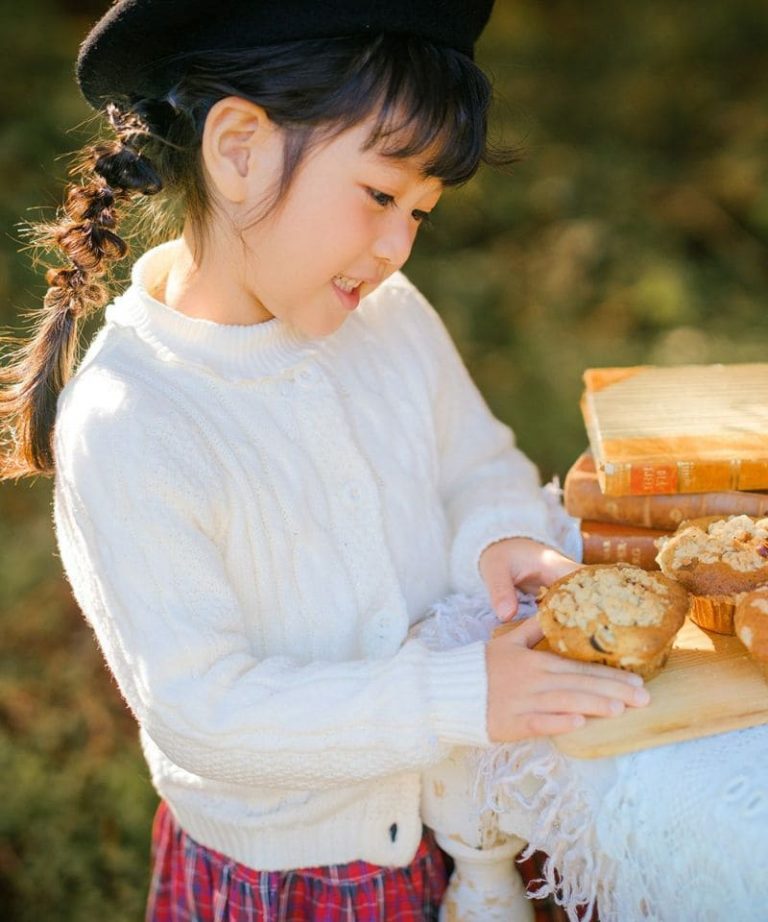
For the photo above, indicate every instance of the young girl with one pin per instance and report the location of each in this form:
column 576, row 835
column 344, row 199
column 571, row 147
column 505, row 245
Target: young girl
column 271, row 460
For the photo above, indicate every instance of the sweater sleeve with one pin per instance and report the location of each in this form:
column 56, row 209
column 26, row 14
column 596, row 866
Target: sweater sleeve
column 138, row 521
column 490, row 488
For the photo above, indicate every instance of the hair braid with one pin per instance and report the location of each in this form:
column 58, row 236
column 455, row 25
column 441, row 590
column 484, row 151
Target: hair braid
column 424, row 101
column 86, row 232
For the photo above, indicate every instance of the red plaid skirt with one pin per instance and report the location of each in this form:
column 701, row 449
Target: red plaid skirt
column 191, row 883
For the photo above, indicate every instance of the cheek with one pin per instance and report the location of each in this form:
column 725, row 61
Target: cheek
column 313, row 237
column 329, row 240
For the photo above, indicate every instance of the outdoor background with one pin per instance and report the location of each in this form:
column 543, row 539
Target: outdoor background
column 634, row 231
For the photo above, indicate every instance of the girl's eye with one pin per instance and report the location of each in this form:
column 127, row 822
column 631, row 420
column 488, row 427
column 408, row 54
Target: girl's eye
column 381, row 198
column 385, row 200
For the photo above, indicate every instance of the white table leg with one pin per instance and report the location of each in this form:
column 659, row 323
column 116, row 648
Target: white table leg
column 485, row 885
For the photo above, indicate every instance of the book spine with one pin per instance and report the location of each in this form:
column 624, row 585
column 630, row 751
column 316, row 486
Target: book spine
column 583, row 499
column 605, row 543
column 692, row 476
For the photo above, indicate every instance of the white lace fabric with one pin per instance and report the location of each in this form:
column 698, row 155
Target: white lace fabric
column 667, row 834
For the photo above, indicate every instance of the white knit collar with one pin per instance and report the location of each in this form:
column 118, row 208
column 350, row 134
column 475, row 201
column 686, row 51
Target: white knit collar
column 233, row 351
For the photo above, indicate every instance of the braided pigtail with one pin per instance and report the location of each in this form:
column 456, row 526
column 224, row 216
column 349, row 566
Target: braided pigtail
column 85, row 231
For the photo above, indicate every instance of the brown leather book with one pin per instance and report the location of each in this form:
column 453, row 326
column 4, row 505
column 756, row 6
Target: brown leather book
column 605, row 542
column 684, row 429
column 584, row 500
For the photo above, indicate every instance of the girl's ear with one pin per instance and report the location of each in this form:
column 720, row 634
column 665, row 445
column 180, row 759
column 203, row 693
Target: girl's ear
column 241, row 148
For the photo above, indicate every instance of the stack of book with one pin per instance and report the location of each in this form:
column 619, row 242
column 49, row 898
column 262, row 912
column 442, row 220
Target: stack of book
column 667, row 445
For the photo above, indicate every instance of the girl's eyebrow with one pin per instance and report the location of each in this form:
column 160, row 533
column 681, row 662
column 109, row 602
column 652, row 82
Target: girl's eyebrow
column 398, row 165
column 405, row 170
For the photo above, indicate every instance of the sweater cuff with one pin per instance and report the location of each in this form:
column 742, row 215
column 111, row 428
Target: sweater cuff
column 458, row 695
column 484, row 529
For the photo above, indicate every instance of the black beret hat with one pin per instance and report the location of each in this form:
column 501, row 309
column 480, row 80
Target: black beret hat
column 133, row 50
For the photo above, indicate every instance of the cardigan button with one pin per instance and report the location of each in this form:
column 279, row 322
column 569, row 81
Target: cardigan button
column 307, row 376
column 386, row 626
column 352, row 493
column 377, row 630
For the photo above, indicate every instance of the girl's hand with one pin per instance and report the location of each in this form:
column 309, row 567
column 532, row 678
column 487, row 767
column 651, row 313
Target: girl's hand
column 531, row 693
column 521, row 563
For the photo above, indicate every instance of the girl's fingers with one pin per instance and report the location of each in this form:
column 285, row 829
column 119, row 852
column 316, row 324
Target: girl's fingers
column 610, row 687
column 528, row 633
column 568, row 701
column 556, row 566
column 533, row 693
column 562, row 664
column 551, row 724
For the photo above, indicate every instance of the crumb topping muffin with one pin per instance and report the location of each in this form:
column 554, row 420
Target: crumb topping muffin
column 715, row 612
column 717, row 557
column 718, row 560
column 751, row 625
column 634, row 598
column 615, row 614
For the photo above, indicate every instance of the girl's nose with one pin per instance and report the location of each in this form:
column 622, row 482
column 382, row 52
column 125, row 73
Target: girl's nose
column 394, row 243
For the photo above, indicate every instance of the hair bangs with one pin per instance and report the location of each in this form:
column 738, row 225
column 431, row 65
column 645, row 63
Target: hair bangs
column 433, row 106
column 423, row 102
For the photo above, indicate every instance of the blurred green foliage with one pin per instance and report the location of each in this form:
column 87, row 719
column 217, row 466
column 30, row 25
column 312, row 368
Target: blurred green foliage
column 634, row 230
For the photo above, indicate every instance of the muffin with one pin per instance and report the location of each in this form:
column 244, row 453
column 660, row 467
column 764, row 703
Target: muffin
column 615, row 614
column 715, row 612
column 751, row 623
column 717, row 560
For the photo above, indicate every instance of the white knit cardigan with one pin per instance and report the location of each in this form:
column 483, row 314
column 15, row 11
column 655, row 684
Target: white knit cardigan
column 251, row 521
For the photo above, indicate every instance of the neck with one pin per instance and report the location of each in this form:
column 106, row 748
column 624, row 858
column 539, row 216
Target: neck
column 237, row 352
column 206, row 281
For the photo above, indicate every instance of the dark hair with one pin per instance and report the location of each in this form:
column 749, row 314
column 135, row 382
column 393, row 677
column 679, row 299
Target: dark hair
column 424, row 101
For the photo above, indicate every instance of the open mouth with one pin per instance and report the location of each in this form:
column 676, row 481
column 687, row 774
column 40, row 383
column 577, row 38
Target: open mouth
column 348, row 290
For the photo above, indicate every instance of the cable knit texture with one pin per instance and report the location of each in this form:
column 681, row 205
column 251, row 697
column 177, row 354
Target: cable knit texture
column 251, row 521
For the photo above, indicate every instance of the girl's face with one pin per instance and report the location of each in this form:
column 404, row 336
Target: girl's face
column 348, row 221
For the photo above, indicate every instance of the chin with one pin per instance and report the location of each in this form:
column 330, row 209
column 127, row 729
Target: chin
column 322, row 327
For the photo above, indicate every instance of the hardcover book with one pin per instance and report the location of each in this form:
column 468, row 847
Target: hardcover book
column 683, row 429
column 605, row 542
column 584, row 499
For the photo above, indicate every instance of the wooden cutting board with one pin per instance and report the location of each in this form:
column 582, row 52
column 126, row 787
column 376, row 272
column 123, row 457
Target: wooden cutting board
column 709, row 685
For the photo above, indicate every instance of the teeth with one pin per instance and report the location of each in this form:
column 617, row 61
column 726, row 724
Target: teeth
column 344, row 283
